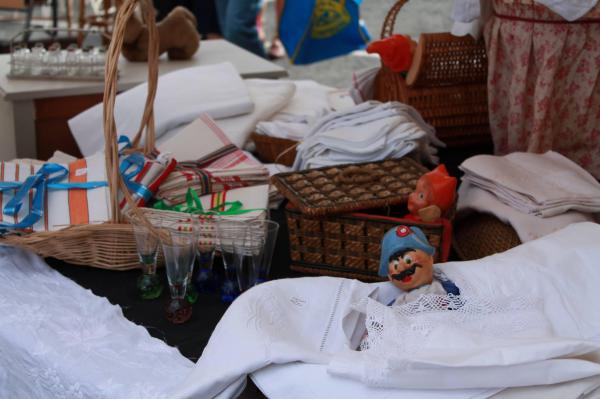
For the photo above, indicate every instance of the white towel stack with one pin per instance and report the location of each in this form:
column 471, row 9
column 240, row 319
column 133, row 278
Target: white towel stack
column 310, row 102
column 367, row 132
column 543, row 185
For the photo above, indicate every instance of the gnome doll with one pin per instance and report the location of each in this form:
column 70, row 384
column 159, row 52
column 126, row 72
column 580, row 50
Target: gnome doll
column 407, row 261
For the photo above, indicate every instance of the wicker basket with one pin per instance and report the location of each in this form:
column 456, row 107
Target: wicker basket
column 447, row 84
column 108, row 245
column 349, row 245
column 275, row 149
column 478, row 235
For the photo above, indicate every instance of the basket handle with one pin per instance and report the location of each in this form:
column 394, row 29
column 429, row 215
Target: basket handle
column 111, row 153
column 387, row 29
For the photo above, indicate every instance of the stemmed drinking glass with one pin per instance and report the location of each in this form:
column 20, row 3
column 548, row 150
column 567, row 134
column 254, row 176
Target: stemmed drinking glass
column 148, row 284
column 179, row 250
column 229, row 231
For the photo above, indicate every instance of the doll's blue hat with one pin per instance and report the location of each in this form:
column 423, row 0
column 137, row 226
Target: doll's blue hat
column 399, row 238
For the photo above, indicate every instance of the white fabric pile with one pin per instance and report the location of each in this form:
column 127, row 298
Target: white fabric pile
column 310, row 102
column 59, row 340
column 182, row 96
column 367, row 132
column 536, row 193
column 528, row 319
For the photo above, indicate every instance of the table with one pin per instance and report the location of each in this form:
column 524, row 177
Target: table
column 34, row 113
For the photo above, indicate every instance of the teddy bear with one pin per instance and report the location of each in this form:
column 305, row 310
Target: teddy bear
column 177, row 36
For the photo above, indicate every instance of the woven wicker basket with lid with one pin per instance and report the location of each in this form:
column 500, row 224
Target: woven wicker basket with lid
column 338, row 215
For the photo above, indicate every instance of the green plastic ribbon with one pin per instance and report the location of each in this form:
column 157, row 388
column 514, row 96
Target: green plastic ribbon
column 194, row 206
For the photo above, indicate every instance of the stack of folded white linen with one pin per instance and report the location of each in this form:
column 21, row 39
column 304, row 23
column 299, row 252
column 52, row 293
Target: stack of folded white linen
column 310, row 102
column 367, row 132
column 536, row 193
column 208, row 163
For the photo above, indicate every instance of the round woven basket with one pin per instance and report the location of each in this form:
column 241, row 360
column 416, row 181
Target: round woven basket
column 109, row 245
column 477, row 235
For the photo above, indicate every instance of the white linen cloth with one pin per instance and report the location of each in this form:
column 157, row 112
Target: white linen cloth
column 181, row 97
column 313, row 320
column 269, row 97
column 470, row 15
column 310, row 102
column 586, row 388
column 528, row 227
column 368, row 132
column 303, row 380
column 539, row 184
column 59, row 340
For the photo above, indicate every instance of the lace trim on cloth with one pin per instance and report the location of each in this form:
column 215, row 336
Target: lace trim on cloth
column 447, row 324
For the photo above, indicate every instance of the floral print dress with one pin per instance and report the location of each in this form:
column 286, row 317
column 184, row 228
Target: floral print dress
column 544, row 82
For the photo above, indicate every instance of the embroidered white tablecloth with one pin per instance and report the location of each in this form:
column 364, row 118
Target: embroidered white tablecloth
column 59, row 340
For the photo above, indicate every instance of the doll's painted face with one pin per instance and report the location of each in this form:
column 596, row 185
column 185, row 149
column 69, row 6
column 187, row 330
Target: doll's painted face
column 421, row 197
column 410, row 269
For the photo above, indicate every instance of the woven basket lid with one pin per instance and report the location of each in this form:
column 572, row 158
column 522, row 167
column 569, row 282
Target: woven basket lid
column 348, row 188
column 477, row 235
